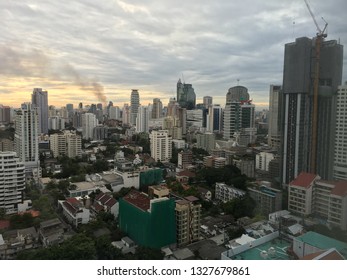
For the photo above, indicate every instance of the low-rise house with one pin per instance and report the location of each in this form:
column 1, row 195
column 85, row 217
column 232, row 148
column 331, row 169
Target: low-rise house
column 105, row 203
column 74, row 211
column 15, row 241
column 51, row 232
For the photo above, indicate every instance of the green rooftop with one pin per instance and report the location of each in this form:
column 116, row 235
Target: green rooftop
column 323, row 242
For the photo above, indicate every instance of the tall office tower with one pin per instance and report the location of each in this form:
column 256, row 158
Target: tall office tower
column 172, row 108
column 142, row 119
column 5, row 114
column 186, row 97
column 239, row 113
column 12, row 182
column 26, row 137
column 298, row 93
column 275, row 112
column 182, row 116
column 173, row 126
column 114, row 113
column 214, row 118
column 77, row 120
column 126, row 114
column 161, row 145
column 80, row 106
column 340, row 153
column 88, row 123
column 194, row 118
column 157, row 109
column 207, row 100
column 69, row 108
column 134, row 105
column 92, row 109
column 39, row 99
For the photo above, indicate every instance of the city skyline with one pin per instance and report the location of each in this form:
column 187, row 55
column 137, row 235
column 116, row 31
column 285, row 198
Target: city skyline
column 118, row 45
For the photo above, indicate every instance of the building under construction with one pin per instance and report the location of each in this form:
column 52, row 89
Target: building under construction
column 309, row 73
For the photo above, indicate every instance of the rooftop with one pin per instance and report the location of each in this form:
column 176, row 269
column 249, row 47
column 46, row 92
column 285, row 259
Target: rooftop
column 304, row 180
column 323, row 242
column 340, row 188
column 138, row 199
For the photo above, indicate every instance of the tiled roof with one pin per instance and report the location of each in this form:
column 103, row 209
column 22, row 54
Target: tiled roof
column 69, row 207
column 340, row 188
column 303, row 180
column 186, row 173
column 331, row 254
column 97, row 207
column 140, row 200
column 110, row 202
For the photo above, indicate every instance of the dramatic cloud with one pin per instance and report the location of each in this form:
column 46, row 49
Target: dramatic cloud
column 106, row 48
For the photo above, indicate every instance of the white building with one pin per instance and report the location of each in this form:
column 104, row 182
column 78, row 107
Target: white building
column 161, row 145
column 142, row 119
column 12, row 181
column 226, row 193
column 74, row 211
column 26, row 140
column 340, row 153
column 262, row 160
column 114, row 113
column 88, row 123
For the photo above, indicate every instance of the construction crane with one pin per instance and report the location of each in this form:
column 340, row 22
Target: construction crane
column 321, row 34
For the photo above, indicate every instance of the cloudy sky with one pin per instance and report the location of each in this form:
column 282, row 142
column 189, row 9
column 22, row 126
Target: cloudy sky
column 92, row 51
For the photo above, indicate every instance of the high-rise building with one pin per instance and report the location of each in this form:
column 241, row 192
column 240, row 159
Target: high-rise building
column 275, row 112
column 134, row 105
column 161, row 145
column 26, row 137
column 88, row 123
column 67, row 143
column 12, row 182
column 142, row 119
column 194, row 118
column 5, row 114
column 207, row 101
column 186, row 97
column 157, row 109
column 206, row 141
column 114, row 113
column 214, row 118
column 172, row 108
column 300, row 61
column 126, row 114
column 340, row 152
column 239, row 118
column 39, row 99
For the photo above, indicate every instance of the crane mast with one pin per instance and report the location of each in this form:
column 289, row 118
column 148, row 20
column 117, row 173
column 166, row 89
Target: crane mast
column 321, row 34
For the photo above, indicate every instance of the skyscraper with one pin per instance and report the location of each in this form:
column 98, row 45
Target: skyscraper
column 157, row 110
column 239, row 118
column 214, row 118
column 186, row 97
column 142, row 119
column 12, row 182
column 126, row 114
column 39, row 99
column 275, row 112
column 298, row 82
column 134, row 105
column 207, row 101
column 340, row 152
column 26, row 136
column 88, row 123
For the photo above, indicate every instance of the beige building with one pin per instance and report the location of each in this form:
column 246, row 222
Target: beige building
column 188, row 220
column 67, row 143
column 325, row 199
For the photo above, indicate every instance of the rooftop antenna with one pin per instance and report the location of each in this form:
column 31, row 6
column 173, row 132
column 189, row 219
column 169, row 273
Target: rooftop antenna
column 183, row 79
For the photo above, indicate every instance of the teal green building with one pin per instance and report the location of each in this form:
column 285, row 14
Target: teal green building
column 149, row 222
